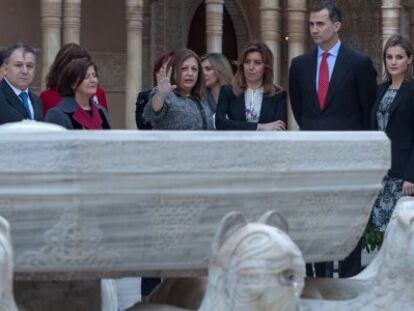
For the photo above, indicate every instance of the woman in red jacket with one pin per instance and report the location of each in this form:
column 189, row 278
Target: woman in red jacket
column 50, row 97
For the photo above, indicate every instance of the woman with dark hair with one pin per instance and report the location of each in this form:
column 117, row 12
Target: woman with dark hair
column 143, row 96
column 50, row 97
column 393, row 113
column 217, row 72
column 76, row 85
column 179, row 101
column 252, row 101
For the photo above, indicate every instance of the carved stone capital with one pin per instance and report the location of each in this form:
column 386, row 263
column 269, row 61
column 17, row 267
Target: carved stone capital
column 72, row 14
column 270, row 18
column 134, row 15
column 296, row 21
column 214, row 25
column 391, row 12
column 51, row 13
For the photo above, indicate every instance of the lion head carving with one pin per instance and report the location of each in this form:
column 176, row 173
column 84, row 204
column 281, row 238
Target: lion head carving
column 255, row 266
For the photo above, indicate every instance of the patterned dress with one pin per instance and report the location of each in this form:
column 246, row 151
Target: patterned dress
column 392, row 187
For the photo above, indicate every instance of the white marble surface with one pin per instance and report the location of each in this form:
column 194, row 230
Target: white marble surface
column 7, row 302
column 386, row 284
column 121, row 202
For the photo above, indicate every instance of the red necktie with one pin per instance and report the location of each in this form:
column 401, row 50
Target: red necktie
column 323, row 82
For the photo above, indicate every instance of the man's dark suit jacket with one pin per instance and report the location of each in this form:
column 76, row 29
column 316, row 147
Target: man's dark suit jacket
column 351, row 92
column 400, row 130
column 11, row 107
column 231, row 110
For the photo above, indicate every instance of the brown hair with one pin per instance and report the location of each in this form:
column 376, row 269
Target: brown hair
column 221, row 67
column 397, row 40
column 67, row 53
column 180, row 56
column 72, row 76
column 239, row 80
column 158, row 64
column 335, row 14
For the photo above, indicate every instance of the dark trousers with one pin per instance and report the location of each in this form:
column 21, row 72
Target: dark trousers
column 148, row 284
column 347, row 268
column 320, row 269
column 351, row 265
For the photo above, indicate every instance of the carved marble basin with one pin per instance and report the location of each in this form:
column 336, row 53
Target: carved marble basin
column 87, row 204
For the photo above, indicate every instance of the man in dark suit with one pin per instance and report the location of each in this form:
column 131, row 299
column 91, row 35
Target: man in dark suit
column 2, row 65
column 332, row 88
column 17, row 102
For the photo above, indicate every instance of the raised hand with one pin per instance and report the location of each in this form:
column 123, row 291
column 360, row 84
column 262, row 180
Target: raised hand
column 164, row 78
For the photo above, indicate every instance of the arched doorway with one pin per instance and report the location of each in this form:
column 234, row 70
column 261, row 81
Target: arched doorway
column 197, row 35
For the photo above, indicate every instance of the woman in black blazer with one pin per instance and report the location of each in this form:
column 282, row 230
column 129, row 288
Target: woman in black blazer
column 252, row 101
column 393, row 113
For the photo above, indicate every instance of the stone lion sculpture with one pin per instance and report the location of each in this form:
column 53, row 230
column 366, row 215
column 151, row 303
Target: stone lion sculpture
column 7, row 302
column 254, row 266
column 387, row 283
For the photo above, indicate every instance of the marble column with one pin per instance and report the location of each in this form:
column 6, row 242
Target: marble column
column 391, row 13
column 134, row 18
column 51, row 15
column 296, row 35
column 214, row 25
column 71, row 21
column 271, row 32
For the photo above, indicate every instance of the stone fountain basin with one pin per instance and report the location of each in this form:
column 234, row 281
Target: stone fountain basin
column 333, row 289
column 111, row 203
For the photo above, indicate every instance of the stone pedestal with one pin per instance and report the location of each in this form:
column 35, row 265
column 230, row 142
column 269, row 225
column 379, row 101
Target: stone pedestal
column 58, row 295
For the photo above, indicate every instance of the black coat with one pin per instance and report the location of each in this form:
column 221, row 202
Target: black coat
column 11, row 107
column 231, row 110
column 351, row 92
column 142, row 100
column 400, row 130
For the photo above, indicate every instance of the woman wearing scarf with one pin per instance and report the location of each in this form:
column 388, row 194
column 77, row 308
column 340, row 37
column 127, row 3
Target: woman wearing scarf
column 76, row 111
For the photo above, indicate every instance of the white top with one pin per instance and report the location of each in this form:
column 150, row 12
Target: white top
column 253, row 100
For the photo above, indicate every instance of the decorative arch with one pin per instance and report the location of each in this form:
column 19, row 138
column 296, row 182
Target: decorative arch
column 162, row 22
column 240, row 22
column 197, row 33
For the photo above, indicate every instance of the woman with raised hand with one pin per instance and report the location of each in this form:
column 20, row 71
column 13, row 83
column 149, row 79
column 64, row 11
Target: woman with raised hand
column 217, row 72
column 143, row 96
column 393, row 113
column 179, row 101
column 77, row 111
column 252, row 101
